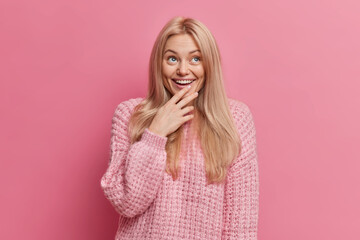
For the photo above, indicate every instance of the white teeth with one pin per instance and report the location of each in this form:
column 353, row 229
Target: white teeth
column 184, row 81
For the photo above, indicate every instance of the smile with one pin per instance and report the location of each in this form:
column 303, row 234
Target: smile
column 183, row 81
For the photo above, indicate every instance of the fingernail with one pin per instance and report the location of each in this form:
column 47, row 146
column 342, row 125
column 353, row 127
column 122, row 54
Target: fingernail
column 189, row 86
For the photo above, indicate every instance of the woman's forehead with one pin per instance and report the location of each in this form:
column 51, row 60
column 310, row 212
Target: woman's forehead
column 181, row 43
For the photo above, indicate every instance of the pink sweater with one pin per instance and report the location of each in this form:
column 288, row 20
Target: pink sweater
column 153, row 206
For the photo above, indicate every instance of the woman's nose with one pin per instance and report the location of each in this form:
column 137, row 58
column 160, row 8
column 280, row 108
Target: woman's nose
column 183, row 68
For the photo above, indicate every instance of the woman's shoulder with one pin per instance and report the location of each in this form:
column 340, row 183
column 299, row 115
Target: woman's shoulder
column 126, row 107
column 240, row 111
column 237, row 106
column 130, row 103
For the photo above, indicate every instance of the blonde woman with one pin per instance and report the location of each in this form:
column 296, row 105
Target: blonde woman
column 183, row 160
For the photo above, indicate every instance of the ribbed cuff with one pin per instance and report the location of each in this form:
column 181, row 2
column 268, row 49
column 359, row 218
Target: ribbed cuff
column 153, row 139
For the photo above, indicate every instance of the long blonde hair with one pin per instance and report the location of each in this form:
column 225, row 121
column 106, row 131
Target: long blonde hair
column 218, row 134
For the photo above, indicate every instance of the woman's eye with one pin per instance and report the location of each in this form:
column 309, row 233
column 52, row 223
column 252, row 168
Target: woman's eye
column 197, row 59
column 172, row 59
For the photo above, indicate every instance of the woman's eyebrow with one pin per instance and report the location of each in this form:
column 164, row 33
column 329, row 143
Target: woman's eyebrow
column 169, row 50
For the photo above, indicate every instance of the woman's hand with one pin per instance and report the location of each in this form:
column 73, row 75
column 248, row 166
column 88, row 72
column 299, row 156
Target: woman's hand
column 171, row 115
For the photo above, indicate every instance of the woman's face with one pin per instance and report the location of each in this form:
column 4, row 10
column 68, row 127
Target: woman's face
column 182, row 64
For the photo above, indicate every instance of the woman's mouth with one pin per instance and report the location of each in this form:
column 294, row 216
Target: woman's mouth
column 182, row 82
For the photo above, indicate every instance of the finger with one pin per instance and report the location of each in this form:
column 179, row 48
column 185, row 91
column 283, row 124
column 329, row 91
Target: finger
column 187, row 99
column 179, row 95
column 188, row 117
column 186, row 110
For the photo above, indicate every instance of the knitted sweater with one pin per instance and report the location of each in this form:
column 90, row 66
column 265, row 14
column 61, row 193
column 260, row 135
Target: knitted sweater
column 152, row 205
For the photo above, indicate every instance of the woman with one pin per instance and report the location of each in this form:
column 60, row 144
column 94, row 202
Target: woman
column 183, row 161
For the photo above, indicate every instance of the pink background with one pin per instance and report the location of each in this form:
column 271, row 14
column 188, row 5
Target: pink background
column 65, row 65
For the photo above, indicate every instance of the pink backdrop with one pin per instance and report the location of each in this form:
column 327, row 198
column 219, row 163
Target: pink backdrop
column 65, row 65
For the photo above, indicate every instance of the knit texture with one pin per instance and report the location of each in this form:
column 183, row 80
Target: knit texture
column 152, row 205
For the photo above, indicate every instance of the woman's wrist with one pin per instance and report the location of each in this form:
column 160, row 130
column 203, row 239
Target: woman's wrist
column 156, row 132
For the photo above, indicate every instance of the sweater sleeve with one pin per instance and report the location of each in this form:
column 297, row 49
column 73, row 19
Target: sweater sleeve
column 242, row 186
column 135, row 171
